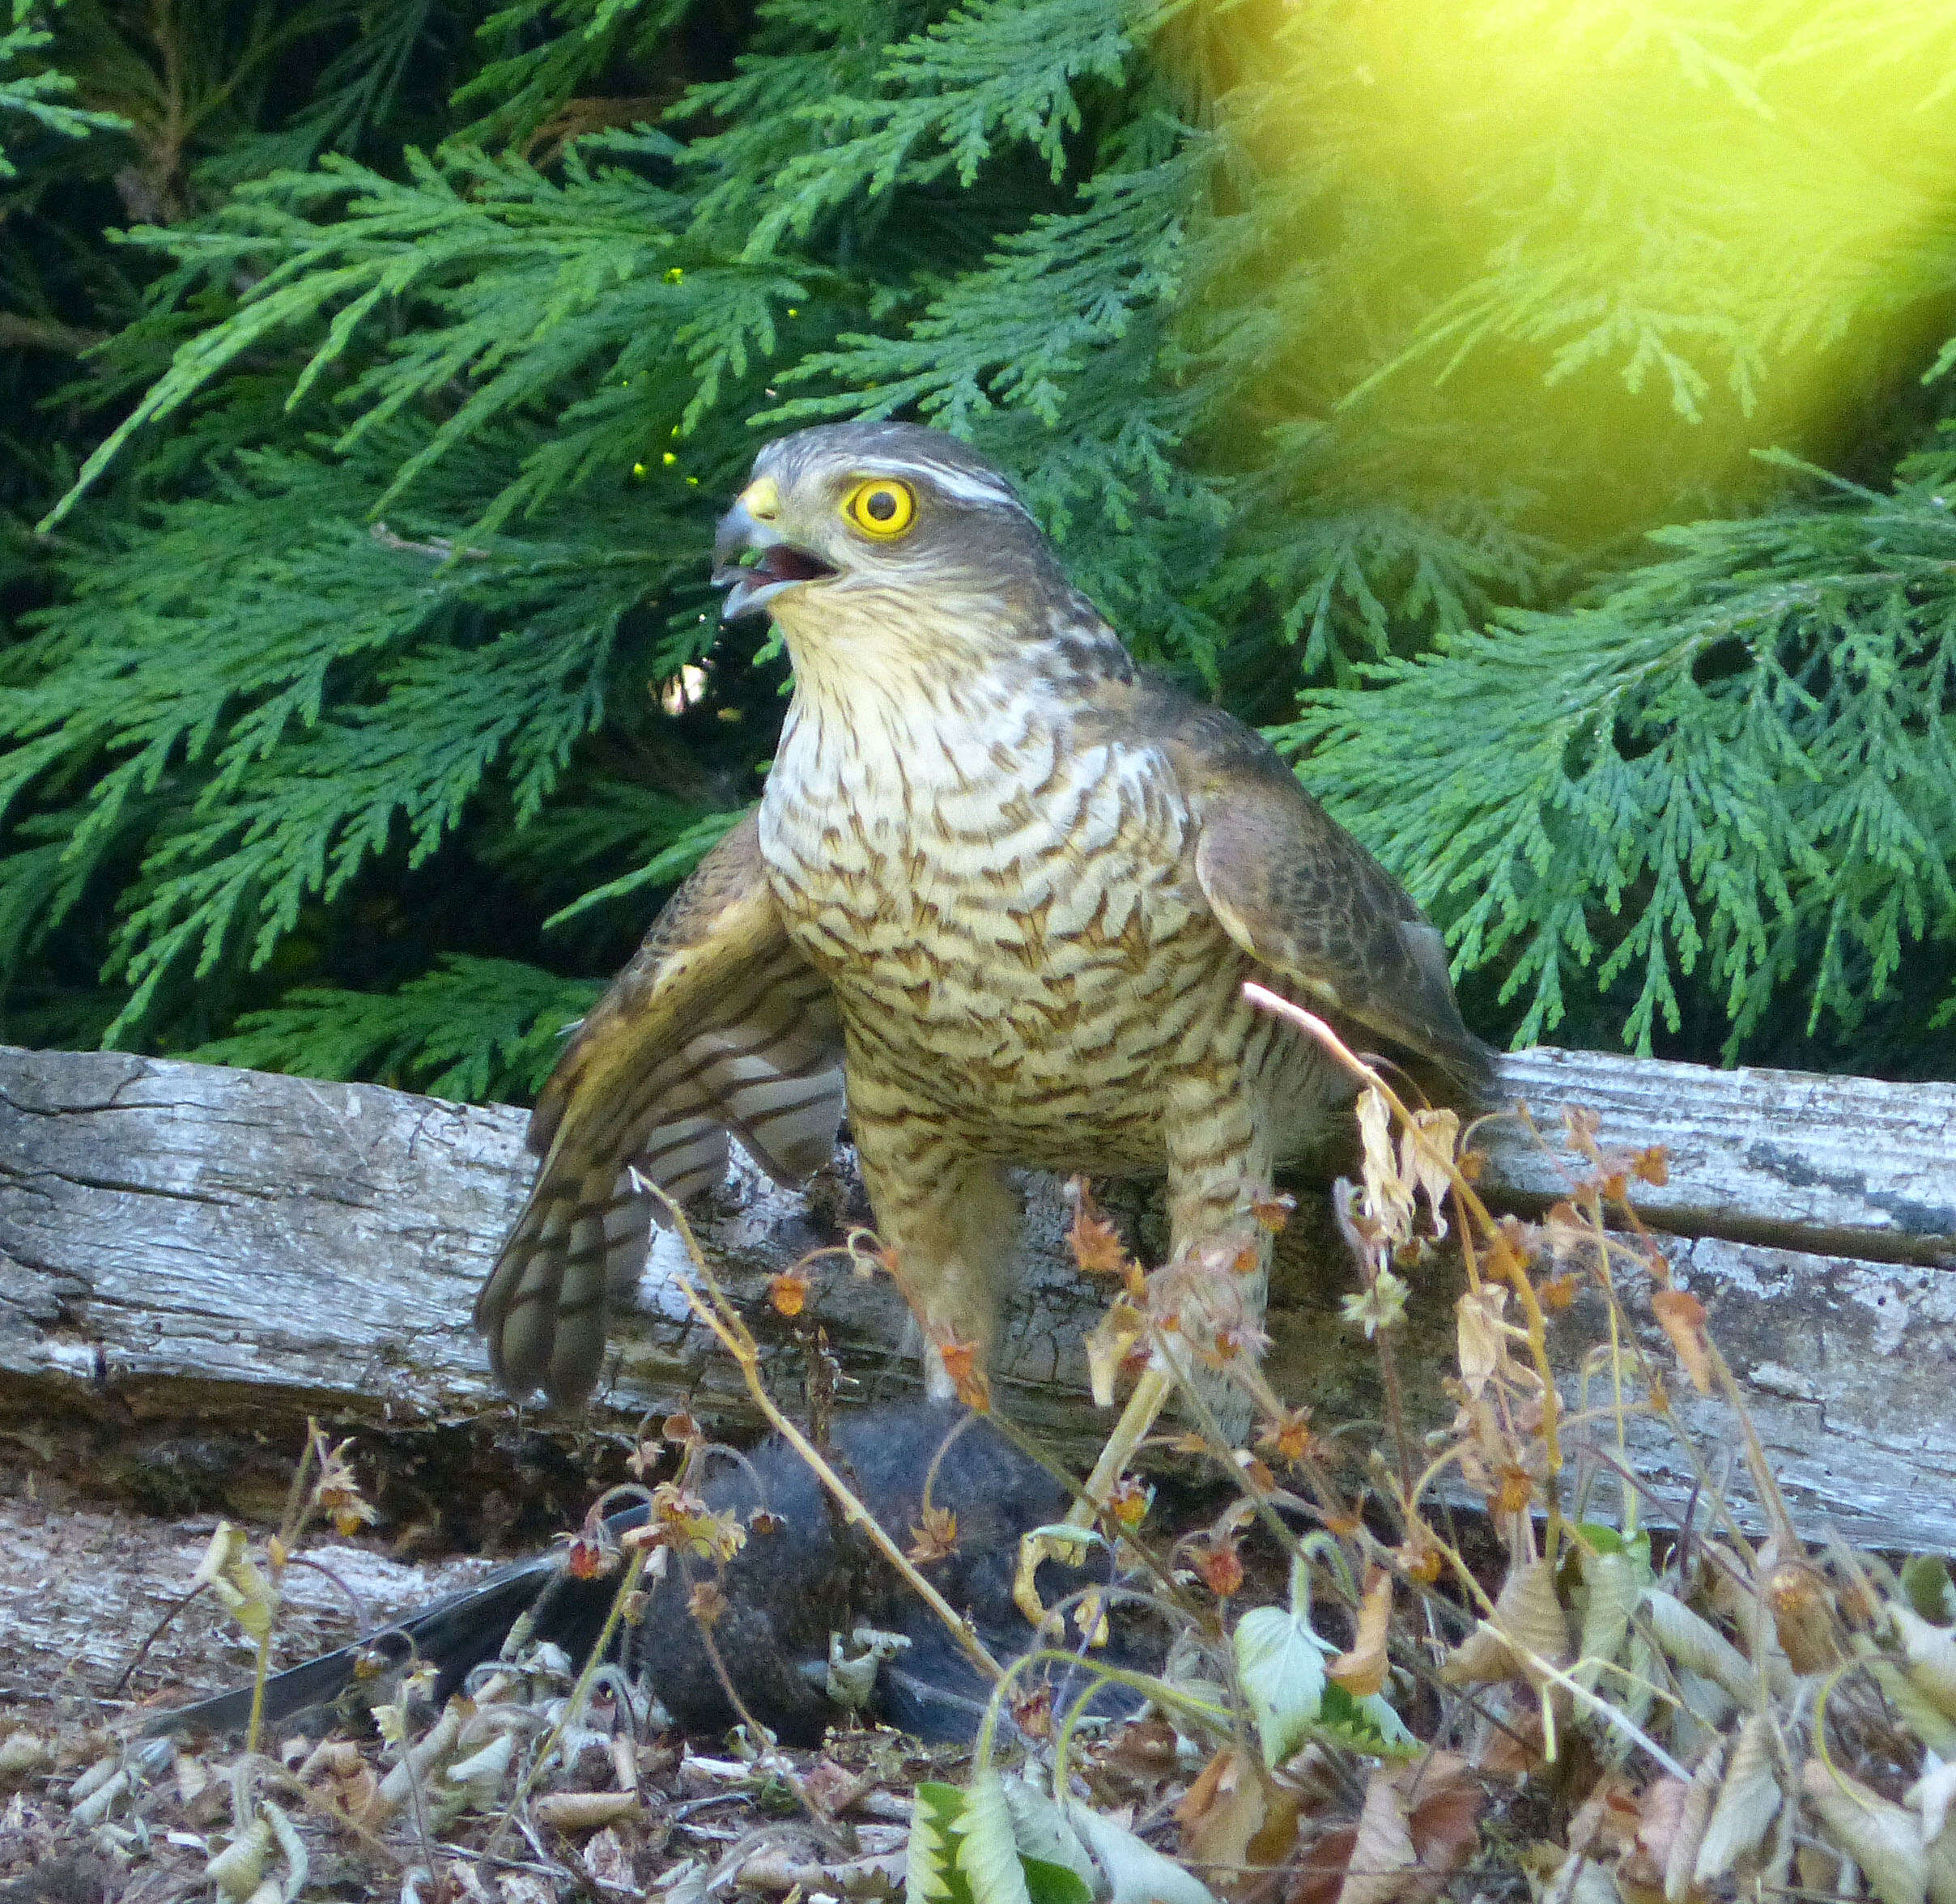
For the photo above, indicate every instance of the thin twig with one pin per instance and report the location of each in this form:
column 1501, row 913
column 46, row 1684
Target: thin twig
column 627, row 1585
column 155, row 1633
column 719, row 1315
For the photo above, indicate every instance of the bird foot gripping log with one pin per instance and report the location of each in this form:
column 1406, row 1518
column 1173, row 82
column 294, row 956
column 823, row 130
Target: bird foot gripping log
column 1001, row 894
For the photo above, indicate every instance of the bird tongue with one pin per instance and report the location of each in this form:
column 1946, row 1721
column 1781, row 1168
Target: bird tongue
column 778, row 564
column 783, row 564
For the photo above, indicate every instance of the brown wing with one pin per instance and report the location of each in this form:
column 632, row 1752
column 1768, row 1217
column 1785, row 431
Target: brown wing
column 717, row 1025
column 1300, row 895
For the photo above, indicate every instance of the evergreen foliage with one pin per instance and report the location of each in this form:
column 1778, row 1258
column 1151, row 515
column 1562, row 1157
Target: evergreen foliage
column 363, row 693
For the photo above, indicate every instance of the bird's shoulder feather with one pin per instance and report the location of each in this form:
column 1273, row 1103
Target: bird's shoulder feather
column 1293, row 888
column 722, row 918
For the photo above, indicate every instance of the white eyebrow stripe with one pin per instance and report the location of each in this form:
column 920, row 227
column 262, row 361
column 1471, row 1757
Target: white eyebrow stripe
column 960, row 485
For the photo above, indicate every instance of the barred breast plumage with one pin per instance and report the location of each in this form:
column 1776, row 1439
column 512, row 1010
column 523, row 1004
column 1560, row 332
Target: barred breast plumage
column 1003, row 887
column 1000, row 909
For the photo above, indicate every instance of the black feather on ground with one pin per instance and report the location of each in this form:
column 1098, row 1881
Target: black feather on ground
column 802, row 1576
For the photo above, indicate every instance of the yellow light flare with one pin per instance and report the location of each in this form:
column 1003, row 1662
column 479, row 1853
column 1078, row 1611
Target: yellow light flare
column 1577, row 258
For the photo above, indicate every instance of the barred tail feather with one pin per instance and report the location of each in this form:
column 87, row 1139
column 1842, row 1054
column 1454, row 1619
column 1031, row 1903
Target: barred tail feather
column 545, row 1308
column 771, row 1078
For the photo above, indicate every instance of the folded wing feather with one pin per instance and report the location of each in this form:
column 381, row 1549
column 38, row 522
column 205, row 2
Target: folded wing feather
column 717, row 1026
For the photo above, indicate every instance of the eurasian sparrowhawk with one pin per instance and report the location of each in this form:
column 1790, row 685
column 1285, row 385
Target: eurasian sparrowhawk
column 999, row 898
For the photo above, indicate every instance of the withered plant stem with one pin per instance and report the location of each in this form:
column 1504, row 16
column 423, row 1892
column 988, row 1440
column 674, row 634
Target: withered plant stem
column 721, row 1317
column 627, row 1585
column 291, row 1526
column 1513, row 1271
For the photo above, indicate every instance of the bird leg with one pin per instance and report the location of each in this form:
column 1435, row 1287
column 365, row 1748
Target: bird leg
column 1214, row 1149
column 953, row 1220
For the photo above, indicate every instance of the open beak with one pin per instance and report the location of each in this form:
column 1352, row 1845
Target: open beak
column 751, row 559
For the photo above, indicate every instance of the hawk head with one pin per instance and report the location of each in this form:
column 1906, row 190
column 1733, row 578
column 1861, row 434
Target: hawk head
column 853, row 519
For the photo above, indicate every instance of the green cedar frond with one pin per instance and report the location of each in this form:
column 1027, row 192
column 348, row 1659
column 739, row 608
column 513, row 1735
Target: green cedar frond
column 557, row 48
column 1743, row 757
column 37, row 92
column 472, row 1029
column 1017, row 330
column 665, row 868
column 312, row 699
column 997, row 70
column 1352, row 356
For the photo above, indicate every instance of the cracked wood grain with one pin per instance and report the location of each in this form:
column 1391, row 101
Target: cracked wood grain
column 1843, row 1166
column 187, row 1244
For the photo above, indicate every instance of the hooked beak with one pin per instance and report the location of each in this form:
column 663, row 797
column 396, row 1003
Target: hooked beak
column 752, row 561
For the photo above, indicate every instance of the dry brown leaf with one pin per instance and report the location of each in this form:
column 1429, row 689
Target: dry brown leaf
column 585, row 1811
column 1481, row 1336
column 1419, row 1824
column 1660, row 1818
column 1930, row 1652
column 1508, row 1742
column 1607, row 1823
column 1382, row 1854
column 1388, row 1199
column 1426, row 1160
column 1613, row 1593
column 1695, row 1644
column 1446, row 1801
column 1318, row 1876
column 1215, row 1784
column 1802, row 1603
column 1526, row 1611
column 1882, row 1838
column 1691, row 1821
column 1235, row 1815
column 1482, row 1658
column 1819, row 1868
column 1748, row 1802
column 777, row 1869
column 1682, row 1318
column 1362, row 1670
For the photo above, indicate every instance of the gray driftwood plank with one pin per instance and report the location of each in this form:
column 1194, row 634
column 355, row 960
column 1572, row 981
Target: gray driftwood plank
column 184, row 1243
column 1846, row 1166
column 82, row 1586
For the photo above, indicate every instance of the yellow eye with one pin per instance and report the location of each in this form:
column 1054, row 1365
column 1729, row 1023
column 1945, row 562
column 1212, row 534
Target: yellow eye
column 881, row 507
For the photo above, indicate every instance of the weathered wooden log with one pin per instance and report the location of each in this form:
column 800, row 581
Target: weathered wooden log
column 192, row 1257
column 82, row 1586
column 1834, row 1165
